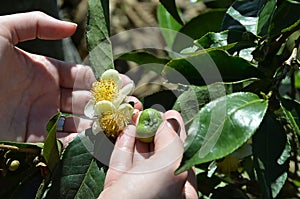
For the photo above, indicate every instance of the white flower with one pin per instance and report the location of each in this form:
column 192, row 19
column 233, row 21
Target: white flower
column 107, row 106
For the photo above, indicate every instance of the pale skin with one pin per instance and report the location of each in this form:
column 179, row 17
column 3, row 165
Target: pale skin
column 34, row 87
column 142, row 170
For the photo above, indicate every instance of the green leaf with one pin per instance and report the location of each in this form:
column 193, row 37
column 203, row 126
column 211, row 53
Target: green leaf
column 206, row 67
column 264, row 17
column 222, row 126
column 291, row 109
column 212, row 39
column 243, row 46
column 105, row 7
column 248, row 22
column 98, row 42
column 79, row 175
column 143, row 57
column 169, row 26
column 271, row 150
column 297, row 77
column 208, row 21
column 285, row 10
column 241, row 17
column 38, row 145
column 195, row 97
column 170, row 6
column 51, row 152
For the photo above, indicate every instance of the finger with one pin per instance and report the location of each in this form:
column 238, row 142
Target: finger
column 141, row 152
column 137, row 104
column 190, row 187
column 122, row 155
column 70, row 75
column 164, row 136
column 168, row 148
column 176, row 122
column 65, row 138
column 74, row 101
column 135, row 116
column 75, row 124
column 74, row 76
column 125, row 80
column 27, row 26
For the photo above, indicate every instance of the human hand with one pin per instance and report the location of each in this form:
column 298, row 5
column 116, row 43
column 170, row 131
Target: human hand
column 140, row 170
column 35, row 87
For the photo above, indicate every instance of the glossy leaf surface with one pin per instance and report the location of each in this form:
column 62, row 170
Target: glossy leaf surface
column 195, row 97
column 222, row 126
column 79, row 175
column 168, row 24
column 170, row 5
column 206, row 67
column 98, row 42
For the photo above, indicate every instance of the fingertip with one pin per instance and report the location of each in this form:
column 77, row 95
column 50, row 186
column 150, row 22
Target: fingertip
column 164, row 136
column 126, row 138
column 122, row 155
column 175, row 121
column 190, row 189
column 137, row 104
column 135, row 116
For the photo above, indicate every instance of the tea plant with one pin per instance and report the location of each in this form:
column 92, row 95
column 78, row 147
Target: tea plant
column 237, row 93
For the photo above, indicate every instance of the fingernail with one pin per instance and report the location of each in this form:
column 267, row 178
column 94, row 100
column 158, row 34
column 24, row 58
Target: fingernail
column 71, row 23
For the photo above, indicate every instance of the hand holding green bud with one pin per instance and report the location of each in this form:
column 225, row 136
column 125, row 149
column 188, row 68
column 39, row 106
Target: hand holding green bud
column 148, row 123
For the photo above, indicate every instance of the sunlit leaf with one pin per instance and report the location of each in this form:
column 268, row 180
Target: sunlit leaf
column 169, row 26
column 208, row 21
column 98, row 42
column 51, row 152
column 206, row 67
column 195, row 97
column 212, row 39
column 170, row 5
column 222, row 126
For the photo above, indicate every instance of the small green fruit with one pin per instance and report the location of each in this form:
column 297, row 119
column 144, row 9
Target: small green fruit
column 149, row 121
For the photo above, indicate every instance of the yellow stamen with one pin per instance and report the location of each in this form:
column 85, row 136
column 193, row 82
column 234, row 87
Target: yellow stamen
column 105, row 89
column 113, row 123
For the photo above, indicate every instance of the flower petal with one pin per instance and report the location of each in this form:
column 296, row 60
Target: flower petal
column 96, row 127
column 126, row 90
column 103, row 107
column 114, row 75
column 126, row 109
column 89, row 109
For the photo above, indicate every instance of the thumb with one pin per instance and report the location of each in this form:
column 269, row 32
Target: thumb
column 172, row 128
column 168, row 147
